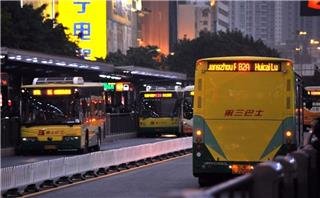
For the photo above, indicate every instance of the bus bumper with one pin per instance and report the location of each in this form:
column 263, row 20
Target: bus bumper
column 158, row 130
column 35, row 145
column 204, row 165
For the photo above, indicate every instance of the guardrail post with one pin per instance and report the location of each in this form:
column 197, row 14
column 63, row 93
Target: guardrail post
column 289, row 176
column 303, row 172
column 108, row 124
column 313, row 177
column 267, row 179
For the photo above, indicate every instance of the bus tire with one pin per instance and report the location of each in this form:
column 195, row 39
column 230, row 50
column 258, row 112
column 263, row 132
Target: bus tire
column 20, row 151
column 203, row 181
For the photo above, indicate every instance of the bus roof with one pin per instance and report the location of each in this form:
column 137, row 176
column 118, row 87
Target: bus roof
column 243, row 58
column 52, row 85
column 312, row 88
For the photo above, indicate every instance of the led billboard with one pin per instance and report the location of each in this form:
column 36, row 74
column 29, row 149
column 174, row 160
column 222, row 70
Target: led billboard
column 87, row 22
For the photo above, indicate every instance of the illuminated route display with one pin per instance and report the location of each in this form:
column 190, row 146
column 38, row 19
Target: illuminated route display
column 244, row 66
column 157, row 95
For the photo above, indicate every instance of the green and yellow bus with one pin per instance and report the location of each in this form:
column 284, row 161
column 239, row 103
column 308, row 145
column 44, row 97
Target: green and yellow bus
column 246, row 110
column 62, row 114
column 159, row 112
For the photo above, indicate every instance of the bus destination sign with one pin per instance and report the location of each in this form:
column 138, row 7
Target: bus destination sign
column 245, row 66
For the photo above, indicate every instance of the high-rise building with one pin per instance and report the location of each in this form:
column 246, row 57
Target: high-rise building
column 279, row 25
column 255, row 18
column 159, row 26
column 186, row 21
column 122, row 24
column 221, row 16
column 197, row 16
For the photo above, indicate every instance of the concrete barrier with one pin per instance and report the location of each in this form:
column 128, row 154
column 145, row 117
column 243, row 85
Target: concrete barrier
column 23, row 175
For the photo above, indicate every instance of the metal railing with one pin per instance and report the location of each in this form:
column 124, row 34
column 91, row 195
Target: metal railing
column 295, row 175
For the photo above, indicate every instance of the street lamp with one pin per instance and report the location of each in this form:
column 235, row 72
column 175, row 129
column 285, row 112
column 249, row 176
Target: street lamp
column 302, row 33
column 314, row 42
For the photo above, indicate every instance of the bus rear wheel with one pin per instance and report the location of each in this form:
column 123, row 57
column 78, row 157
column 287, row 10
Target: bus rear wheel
column 86, row 143
column 203, row 181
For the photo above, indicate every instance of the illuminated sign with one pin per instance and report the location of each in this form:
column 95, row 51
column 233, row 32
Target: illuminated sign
column 108, row 86
column 36, row 92
column 157, row 95
column 310, row 8
column 314, row 93
column 119, row 86
column 61, row 91
column 245, row 66
column 87, row 23
column 51, row 92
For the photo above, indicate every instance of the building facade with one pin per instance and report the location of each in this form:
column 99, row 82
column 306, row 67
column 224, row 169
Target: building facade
column 159, row 26
column 197, row 16
column 279, row 25
column 123, row 24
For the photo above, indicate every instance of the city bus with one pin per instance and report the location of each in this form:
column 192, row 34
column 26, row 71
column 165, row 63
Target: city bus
column 159, row 112
column 62, row 114
column 246, row 110
column 312, row 106
column 187, row 110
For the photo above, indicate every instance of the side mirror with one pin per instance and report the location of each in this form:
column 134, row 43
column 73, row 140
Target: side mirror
column 188, row 115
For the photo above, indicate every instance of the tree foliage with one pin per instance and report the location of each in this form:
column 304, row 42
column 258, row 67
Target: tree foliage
column 187, row 52
column 147, row 56
column 27, row 28
column 234, row 43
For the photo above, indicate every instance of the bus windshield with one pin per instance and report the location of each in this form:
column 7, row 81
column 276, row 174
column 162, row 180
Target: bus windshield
column 50, row 110
column 159, row 107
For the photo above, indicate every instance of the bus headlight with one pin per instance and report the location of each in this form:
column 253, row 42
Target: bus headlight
column 70, row 138
column 29, row 139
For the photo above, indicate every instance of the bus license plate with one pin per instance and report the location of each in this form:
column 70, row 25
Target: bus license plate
column 48, row 147
column 241, row 169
